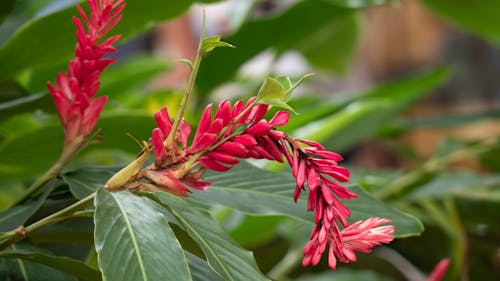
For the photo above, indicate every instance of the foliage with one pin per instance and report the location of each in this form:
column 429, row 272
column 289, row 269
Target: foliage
column 245, row 225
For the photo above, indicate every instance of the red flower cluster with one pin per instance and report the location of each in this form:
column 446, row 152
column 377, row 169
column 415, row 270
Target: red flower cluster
column 75, row 90
column 242, row 132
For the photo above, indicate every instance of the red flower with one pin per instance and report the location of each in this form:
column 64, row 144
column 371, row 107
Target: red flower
column 74, row 91
column 360, row 236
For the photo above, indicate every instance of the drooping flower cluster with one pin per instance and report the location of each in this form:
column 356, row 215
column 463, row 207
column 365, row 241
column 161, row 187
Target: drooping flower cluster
column 241, row 132
column 74, row 91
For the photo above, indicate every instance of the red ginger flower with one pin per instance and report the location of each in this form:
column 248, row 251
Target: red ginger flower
column 75, row 90
column 241, row 132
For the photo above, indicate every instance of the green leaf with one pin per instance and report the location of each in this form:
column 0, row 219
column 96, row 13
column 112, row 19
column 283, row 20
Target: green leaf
column 478, row 17
column 131, row 225
column 84, row 182
column 26, row 104
column 465, row 185
column 131, row 73
column 271, row 89
column 295, row 27
column 212, row 42
column 16, row 216
column 43, row 144
column 200, row 270
column 225, row 256
column 53, row 34
column 363, row 117
column 332, row 47
column 64, row 264
column 255, row 191
column 6, row 7
column 345, row 275
column 278, row 103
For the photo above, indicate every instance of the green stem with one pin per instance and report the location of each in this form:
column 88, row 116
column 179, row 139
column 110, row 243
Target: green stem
column 68, row 153
column 13, row 236
column 169, row 142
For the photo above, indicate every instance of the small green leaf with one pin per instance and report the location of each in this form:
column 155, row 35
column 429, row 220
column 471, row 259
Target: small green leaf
column 212, row 42
column 278, row 103
column 132, row 226
column 187, row 62
column 271, row 89
column 223, row 254
column 64, row 264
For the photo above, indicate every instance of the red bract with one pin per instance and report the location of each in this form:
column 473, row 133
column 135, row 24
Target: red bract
column 241, row 132
column 74, row 91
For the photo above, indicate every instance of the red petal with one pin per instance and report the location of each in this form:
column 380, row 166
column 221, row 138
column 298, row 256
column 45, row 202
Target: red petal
column 163, row 121
column 280, row 118
column 213, row 165
column 157, row 139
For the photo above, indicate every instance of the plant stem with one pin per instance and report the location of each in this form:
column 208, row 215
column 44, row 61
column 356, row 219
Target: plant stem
column 66, row 213
column 69, row 151
column 169, row 142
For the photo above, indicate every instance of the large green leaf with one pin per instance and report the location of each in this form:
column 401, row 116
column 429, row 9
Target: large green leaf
column 255, row 191
column 200, row 270
column 345, row 275
column 64, row 264
column 83, row 182
column 43, row 145
column 293, row 29
column 363, row 117
column 16, row 216
column 22, row 270
column 53, row 34
column 225, row 256
column 134, row 240
column 478, row 17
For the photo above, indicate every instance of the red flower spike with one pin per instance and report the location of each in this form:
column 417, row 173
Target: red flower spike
column 167, row 181
column 74, row 92
column 246, row 139
column 222, row 157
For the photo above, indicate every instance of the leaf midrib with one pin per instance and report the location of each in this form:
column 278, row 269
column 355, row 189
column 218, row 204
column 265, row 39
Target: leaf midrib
column 134, row 240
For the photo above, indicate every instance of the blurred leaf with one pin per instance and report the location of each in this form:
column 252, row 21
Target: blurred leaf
column 9, row 192
column 345, row 275
column 43, row 145
column 289, row 30
column 131, row 73
column 64, row 264
column 255, row 230
column 84, row 182
column 333, row 46
column 131, row 226
column 9, row 90
column 6, row 7
column 363, row 117
column 271, row 89
column 271, row 193
column 200, row 270
column 465, row 185
column 16, row 216
column 359, row 3
column 225, row 256
column 25, row 105
column 39, row 34
column 483, row 21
